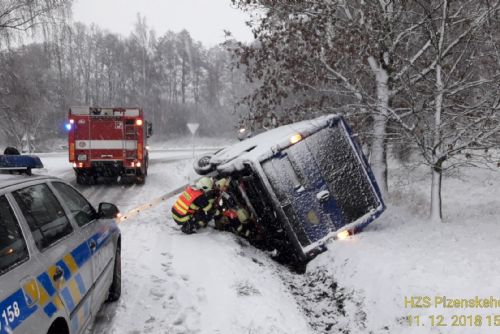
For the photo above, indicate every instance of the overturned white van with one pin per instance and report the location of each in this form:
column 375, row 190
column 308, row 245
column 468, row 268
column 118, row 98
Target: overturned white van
column 303, row 183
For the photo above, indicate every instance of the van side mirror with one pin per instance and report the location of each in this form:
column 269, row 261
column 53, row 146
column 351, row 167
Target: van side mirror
column 107, row 211
column 149, row 130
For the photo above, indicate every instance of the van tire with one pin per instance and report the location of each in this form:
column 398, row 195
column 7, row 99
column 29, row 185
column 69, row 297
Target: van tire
column 115, row 290
column 202, row 165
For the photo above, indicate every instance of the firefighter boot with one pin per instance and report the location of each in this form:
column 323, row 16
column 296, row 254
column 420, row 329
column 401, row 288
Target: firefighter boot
column 188, row 227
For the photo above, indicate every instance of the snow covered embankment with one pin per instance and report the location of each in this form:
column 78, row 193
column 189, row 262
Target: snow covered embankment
column 209, row 282
column 403, row 255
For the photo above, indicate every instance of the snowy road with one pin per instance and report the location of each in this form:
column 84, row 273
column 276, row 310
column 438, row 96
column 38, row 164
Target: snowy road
column 210, row 282
column 213, row 282
column 164, row 175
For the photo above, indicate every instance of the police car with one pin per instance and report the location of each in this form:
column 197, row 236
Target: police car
column 59, row 257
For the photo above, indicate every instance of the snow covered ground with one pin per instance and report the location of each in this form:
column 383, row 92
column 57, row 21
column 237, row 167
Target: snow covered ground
column 213, row 282
column 403, row 255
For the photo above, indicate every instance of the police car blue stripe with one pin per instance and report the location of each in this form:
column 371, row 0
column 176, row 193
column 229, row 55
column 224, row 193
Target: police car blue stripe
column 81, row 285
column 101, row 239
column 50, row 309
column 66, row 271
column 81, row 254
column 14, row 302
column 68, row 300
column 95, row 238
column 44, row 279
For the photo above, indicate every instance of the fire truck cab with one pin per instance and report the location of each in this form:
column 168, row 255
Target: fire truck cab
column 108, row 142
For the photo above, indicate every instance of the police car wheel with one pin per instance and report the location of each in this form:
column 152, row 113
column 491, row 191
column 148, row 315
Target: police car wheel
column 115, row 290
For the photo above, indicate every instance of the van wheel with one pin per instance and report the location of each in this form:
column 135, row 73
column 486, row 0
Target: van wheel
column 202, row 165
column 115, row 290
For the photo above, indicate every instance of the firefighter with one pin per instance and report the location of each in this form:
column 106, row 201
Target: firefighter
column 195, row 206
column 231, row 215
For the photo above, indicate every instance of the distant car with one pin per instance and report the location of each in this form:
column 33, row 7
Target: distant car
column 302, row 183
column 59, row 257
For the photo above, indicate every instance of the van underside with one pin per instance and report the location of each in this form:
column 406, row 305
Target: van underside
column 268, row 231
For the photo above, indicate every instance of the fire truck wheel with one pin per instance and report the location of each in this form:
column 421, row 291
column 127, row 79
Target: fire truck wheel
column 84, row 179
column 140, row 179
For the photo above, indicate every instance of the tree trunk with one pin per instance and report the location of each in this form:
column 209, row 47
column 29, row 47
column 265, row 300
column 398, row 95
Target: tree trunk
column 436, row 214
column 378, row 156
column 378, row 152
column 437, row 169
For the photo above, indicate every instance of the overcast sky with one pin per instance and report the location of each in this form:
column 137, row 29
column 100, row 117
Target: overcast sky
column 204, row 19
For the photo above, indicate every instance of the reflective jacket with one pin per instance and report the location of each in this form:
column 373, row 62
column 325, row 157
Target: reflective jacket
column 189, row 203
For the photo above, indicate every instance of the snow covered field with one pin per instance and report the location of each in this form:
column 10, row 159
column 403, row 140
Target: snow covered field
column 214, row 282
column 403, row 255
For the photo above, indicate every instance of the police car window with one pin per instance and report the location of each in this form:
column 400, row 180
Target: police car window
column 13, row 249
column 44, row 214
column 82, row 211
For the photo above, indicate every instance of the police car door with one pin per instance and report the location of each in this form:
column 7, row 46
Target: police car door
column 97, row 235
column 64, row 283
column 97, row 238
column 18, row 306
column 83, row 215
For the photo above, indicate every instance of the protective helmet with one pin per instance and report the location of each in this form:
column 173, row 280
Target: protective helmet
column 205, row 184
column 222, row 183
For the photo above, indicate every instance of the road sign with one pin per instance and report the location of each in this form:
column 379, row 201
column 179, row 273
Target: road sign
column 193, row 127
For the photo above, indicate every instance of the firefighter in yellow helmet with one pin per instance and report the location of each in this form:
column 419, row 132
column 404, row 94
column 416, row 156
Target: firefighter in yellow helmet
column 195, row 206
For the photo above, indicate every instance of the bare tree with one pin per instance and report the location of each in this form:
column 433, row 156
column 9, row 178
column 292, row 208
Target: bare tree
column 455, row 119
column 23, row 15
column 342, row 56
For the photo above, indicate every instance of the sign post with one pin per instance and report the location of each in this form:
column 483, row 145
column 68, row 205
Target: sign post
column 193, row 127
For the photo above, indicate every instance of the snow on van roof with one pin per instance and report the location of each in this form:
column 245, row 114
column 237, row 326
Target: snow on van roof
column 263, row 145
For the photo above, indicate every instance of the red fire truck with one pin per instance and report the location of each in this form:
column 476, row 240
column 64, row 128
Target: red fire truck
column 108, row 142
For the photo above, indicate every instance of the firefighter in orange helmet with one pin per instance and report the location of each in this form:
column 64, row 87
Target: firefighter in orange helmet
column 195, row 206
